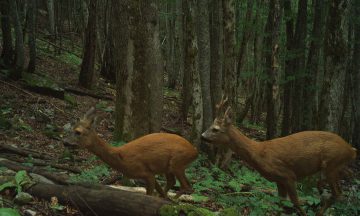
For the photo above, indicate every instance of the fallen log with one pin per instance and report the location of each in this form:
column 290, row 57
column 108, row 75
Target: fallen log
column 100, row 202
column 42, row 163
column 58, row 178
column 88, row 93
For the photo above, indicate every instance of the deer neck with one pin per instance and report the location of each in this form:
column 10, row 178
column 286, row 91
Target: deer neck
column 104, row 151
column 246, row 148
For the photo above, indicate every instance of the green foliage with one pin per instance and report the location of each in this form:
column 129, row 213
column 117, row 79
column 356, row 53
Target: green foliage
column 247, row 124
column 70, row 59
column 34, row 80
column 118, row 143
column 104, row 105
column 70, row 99
column 9, row 212
column 20, row 180
column 184, row 209
column 92, row 175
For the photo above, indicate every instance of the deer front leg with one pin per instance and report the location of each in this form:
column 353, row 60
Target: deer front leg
column 291, row 189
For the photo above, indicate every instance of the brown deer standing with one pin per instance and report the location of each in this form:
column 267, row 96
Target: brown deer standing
column 287, row 159
column 142, row 158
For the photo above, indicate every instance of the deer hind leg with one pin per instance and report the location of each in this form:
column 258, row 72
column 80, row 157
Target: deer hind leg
column 170, row 182
column 332, row 177
column 185, row 186
column 152, row 184
column 291, row 189
column 282, row 190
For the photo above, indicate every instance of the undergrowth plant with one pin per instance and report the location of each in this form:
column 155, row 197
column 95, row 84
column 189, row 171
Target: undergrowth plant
column 245, row 190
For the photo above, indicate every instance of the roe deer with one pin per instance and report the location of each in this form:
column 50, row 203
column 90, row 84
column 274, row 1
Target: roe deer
column 287, row 159
column 142, row 158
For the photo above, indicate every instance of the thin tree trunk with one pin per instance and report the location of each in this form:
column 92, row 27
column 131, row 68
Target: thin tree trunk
column 289, row 66
column 299, row 66
column 216, row 54
column 203, row 38
column 87, row 72
column 7, row 54
column 190, row 52
column 355, row 78
column 272, row 66
column 19, row 43
column 170, row 41
column 51, row 14
column 32, row 38
column 311, row 92
column 119, row 59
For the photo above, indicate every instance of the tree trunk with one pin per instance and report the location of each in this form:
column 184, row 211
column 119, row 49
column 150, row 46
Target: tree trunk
column 170, row 42
column 190, row 53
column 119, row 59
column 87, row 72
column 334, row 68
column 19, row 43
column 51, row 14
column 289, row 67
column 355, row 78
column 143, row 88
column 203, row 38
column 7, row 54
column 299, row 66
column 103, row 201
column 216, row 54
column 32, row 8
column 272, row 66
column 312, row 67
column 229, row 72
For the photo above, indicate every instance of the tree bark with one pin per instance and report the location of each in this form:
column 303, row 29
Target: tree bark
column 334, row 68
column 87, row 72
column 7, row 54
column 51, row 14
column 100, row 201
column 170, row 42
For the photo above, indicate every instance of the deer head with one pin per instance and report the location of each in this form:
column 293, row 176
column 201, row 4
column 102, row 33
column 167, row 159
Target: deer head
column 217, row 132
column 85, row 127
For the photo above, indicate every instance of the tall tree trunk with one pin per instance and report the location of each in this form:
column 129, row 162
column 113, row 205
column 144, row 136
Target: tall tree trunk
column 229, row 72
column 32, row 38
column 312, row 67
column 19, row 43
column 87, row 72
column 203, row 38
column 170, row 42
column 216, row 54
column 190, row 53
column 355, row 78
column 334, row 68
column 7, row 54
column 272, row 66
column 299, row 66
column 143, row 91
column 51, row 14
column 119, row 59
column 289, row 67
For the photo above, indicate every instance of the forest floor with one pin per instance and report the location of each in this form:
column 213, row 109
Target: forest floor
column 41, row 123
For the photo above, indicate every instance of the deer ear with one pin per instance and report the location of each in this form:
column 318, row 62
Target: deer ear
column 227, row 116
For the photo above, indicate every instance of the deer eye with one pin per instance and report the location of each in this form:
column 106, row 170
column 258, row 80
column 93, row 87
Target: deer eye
column 77, row 133
column 215, row 129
